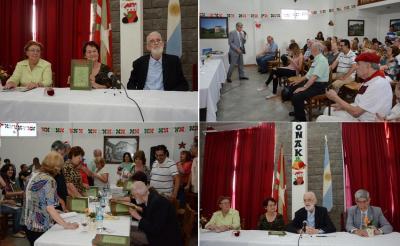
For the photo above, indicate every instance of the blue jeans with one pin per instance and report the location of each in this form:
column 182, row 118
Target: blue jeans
column 262, row 62
column 16, row 214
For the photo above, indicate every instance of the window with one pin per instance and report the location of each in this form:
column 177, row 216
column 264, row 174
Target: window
column 291, row 14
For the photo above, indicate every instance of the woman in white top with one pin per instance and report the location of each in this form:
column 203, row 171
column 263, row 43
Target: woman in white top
column 100, row 175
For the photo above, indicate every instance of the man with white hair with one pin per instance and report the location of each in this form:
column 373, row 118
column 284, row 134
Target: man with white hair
column 157, row 71
column 315, row 217
column 373, row 98
column 158, row 220
column 312, row 84
column 359, row 214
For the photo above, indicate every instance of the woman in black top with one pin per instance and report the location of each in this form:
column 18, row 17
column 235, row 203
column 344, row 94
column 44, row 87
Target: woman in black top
column 270, row 220
column 99, row 77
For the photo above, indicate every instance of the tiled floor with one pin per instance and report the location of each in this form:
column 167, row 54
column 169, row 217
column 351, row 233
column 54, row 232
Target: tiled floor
column 240, row 100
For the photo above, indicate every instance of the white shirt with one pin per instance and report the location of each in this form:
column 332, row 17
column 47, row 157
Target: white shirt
column 97, row 182
column 394, row 113
column 162, row 176
column 240, row 38
column 377, row 98
column 345, row 62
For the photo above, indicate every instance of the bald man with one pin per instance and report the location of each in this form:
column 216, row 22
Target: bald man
column 316, row 217
column 157, row 71
column 158, row 220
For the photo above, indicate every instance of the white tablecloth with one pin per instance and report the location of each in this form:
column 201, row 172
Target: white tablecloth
column 224, row 58
column 212, row 75
column 57, row 236
column 98, row 105
column 262, row 238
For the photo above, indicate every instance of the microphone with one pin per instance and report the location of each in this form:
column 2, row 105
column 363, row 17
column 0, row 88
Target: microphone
column 303, row 229
column 115, row 80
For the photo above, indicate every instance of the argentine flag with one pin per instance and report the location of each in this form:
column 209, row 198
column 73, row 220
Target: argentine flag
column 174, row 33
column 327, row 183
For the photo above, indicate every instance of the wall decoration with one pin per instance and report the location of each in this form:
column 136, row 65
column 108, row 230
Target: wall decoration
column 130, row 12
column 355, row 28
column 213, row 27
column 396, row 24
column 116, row 146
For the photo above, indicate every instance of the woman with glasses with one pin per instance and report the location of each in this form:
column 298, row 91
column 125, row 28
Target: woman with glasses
column 32, row 72
column 226, row 218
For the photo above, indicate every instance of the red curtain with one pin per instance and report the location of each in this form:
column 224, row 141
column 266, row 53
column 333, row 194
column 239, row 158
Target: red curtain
column 63, row 27
column 15, row 29
column 218, row 166
column 254, row 171
column 372, row 159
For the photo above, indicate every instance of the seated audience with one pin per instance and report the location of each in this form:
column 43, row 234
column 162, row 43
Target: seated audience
column 270, row 220
column 295, row 60
column 35, row 166
column 164, row 174
column 41, row 199
column 320, row 36
column 391, row 35
column 71, row 171
column 23, row 175
column 158, row 220
column 394, row 114
column 32, row 72
column 388, row 62
column 99, row 77
column 374, row 96
column 267, row 54
column 12, row 196
column 312, row 84
column 97, row 153
column 317, row 217
column 362, row 212
column 307, row 50
column 345, row 64
column 226, row 218
column 331, row 52
column 157, row 71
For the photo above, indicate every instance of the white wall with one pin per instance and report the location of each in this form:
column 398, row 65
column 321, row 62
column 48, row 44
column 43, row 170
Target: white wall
column 23, row 150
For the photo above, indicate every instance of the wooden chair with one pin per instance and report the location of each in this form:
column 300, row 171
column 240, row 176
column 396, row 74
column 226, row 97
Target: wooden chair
column 3, row 226
column 187, row 225
column 317, row 101
column 349, row 91
column 274, row 63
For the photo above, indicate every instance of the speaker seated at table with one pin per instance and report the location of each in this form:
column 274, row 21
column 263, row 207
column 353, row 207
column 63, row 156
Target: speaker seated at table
column 110, row 240
column 77, row 204
column 93, row 191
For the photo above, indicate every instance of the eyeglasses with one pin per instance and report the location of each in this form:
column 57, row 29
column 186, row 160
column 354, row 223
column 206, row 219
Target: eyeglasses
column 34, row 50
column 155, row 42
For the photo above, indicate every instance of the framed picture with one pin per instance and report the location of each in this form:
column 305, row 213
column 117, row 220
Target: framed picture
column 213, row 27
column 396, row 24
column 116, row 146
column 355, row 28
column 80, row 72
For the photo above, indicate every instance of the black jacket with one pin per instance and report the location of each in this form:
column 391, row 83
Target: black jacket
column 172, row 73
column 322, row 220
column 159, row 222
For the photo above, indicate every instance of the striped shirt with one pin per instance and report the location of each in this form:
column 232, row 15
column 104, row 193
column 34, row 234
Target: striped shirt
column 162, row 176
column 345, row 63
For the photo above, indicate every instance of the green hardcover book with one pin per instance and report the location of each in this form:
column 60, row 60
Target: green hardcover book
column 110, row 240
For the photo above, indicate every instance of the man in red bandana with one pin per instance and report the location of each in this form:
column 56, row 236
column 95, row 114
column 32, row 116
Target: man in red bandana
column 374, row 96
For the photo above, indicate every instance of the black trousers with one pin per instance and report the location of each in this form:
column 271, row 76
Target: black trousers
column 317, row 88
column 32, row 236
column 279, row 72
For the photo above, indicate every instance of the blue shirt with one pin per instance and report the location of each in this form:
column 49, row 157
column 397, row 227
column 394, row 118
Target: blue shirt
column 272, row 49
column 311, row 218
column 154, row 80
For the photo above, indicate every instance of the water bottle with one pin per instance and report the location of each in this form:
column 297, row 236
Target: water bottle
column 99, row 218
